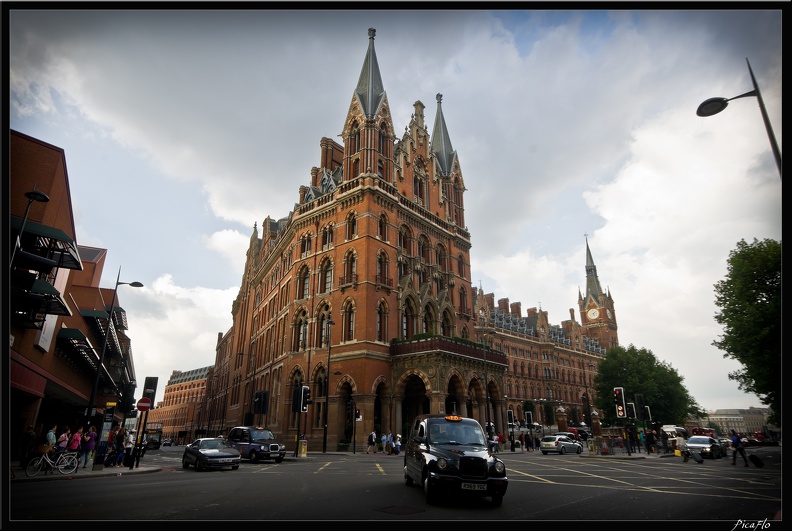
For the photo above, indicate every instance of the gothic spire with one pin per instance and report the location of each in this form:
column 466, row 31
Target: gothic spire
column 370, row 91
column 593, row 288
column 441, row 143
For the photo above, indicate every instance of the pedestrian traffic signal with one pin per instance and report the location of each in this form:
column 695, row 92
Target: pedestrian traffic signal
column 305, row 398
column 528, row 418
column 357, row 414
column 618, row 398
column 630, row 410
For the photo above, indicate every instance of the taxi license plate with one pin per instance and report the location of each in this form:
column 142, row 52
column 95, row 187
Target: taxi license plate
column 474, row 486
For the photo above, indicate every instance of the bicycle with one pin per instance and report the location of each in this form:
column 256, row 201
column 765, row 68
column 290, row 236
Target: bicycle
column 65, row 463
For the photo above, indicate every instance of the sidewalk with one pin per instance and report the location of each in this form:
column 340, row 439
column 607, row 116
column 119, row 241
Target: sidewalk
column 18, row 473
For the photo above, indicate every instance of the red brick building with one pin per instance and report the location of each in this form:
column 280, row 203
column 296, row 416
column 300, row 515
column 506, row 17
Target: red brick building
column 363, row 293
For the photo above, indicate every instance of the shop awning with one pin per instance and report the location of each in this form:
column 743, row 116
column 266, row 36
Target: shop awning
column 51, row 243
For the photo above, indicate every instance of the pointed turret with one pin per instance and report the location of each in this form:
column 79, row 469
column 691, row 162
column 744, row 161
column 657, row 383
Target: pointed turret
column 593, row 288
column 370, row 91
column 441, row 143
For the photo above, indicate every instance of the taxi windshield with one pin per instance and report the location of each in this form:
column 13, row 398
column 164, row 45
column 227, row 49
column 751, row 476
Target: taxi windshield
column 442, row 431
column 261, row 435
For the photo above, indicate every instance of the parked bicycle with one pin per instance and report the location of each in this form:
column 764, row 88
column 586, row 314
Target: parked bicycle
column 63, row 462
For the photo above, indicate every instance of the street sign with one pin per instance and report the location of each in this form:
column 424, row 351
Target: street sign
column 144, row 404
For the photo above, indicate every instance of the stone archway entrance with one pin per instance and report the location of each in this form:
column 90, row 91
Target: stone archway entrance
column 414, row 401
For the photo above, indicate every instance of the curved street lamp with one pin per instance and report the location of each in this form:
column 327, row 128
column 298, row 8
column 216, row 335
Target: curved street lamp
column 713, row 106
column 32, row 195
column 100, row 367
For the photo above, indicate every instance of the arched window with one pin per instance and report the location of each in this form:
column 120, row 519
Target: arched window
column 382, row 227
column 305, row 245
column 380, row 169
column 304, row 284
column 405, row 237
column 382, row 145
column 428, row 321
column 301, row 335
column 408, row 320
column 461, row 265
column 327, row 276
column 463, row 302
column 446, row 327
column 351, row 223
column 424, row 250
column 382, row 322
column 350, row 268
column 356, row 168
column 349, row 321
column 355, row 138
column 327, row 237
column 324, row 317
column 382, row 269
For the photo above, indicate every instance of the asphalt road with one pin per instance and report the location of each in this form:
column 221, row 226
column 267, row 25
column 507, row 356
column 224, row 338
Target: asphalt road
column 361, row 487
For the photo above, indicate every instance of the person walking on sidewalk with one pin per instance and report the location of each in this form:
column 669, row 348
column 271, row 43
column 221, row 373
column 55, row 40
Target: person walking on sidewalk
column 88, row 445
column 737, row 446
column 372, row 443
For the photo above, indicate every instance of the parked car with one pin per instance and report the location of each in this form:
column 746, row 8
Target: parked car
column 725, row 444
column 568, row 434
column 706, row 446
column 166, row 442
column 447, row 454
column 256, row 443
column 560, row 444
column 210, row 453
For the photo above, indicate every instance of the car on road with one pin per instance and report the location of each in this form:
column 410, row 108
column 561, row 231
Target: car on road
column 560, row 444
column 448, row 454
column 256, row 443
column 706, row 446
column 210, row 453
column 166, row 442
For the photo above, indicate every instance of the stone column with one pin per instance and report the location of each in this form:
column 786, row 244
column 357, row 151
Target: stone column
column 561, row 418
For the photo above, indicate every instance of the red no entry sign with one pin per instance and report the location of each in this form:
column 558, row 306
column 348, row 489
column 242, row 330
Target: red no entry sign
column 144, row 404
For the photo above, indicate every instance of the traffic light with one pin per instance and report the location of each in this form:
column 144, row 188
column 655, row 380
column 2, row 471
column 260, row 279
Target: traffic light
column 510, row 417
column 631, row 410
column 618, row 398
column 528, row 418
column 305, row 398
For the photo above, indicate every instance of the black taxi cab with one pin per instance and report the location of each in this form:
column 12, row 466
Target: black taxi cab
column 256, row 443
column 448, row 454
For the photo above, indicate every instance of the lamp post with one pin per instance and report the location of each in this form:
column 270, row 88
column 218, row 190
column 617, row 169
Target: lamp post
column 328, row 323
column 541, row 412
column 588, row 398
column 713, row 106
column 100, row 367
column 32, row 195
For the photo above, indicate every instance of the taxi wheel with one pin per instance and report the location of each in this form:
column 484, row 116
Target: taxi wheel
column 580, row 450
column 429, row 491
column 236, row 467
column 408, row 480
column 563, row 450
column 185, row 464
column 254, row 458
column 497, row 500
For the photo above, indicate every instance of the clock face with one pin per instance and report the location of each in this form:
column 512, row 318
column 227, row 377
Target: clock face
column 593, row 313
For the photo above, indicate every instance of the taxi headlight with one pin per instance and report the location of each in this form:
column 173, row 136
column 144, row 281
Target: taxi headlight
column 442, row 464
column 500, row 468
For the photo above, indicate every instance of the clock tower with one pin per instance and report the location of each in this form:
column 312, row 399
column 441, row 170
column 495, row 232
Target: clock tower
column 598, row 317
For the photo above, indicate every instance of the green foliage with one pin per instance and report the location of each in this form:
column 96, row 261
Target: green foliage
column 638, row 371
column 750, row 305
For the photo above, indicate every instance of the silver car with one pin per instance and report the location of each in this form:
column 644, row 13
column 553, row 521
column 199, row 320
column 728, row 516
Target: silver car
column 559, row 444
column 706, row 446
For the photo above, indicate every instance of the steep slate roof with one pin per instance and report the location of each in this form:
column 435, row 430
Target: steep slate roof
column 441, row 142
column 370, row 91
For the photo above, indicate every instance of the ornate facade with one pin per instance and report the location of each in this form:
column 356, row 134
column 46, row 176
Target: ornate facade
column 363, row 293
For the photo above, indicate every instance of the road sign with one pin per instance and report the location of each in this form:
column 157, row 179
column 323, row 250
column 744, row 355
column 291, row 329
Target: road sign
column 144, row 404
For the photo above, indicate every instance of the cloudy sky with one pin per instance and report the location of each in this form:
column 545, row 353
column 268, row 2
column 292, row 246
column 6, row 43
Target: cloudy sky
column 184, row 128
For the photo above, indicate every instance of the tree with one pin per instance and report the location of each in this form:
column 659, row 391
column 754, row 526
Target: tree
column 750, row 302
column 638, row 371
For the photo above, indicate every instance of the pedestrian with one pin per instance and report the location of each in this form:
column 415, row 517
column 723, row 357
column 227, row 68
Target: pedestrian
column 51, row 438
column 384, row 440
column 682, row 446
column 664, row 439
column 500, row 441
column 372, row 443
column 76, row 440
column 120, row 445
column 27, row 442
column 522, row 442
column 737, row 447
column 397, row 444
column 88, row 445
column 129, row 446
column 63, row 440
column 389, row 443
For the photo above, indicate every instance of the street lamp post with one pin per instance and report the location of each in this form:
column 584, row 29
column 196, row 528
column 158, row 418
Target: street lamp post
column 32, row 195
column 328, row 323
column 541, row 412
column 100, row 367
column 713, row 106
column 588, row 397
